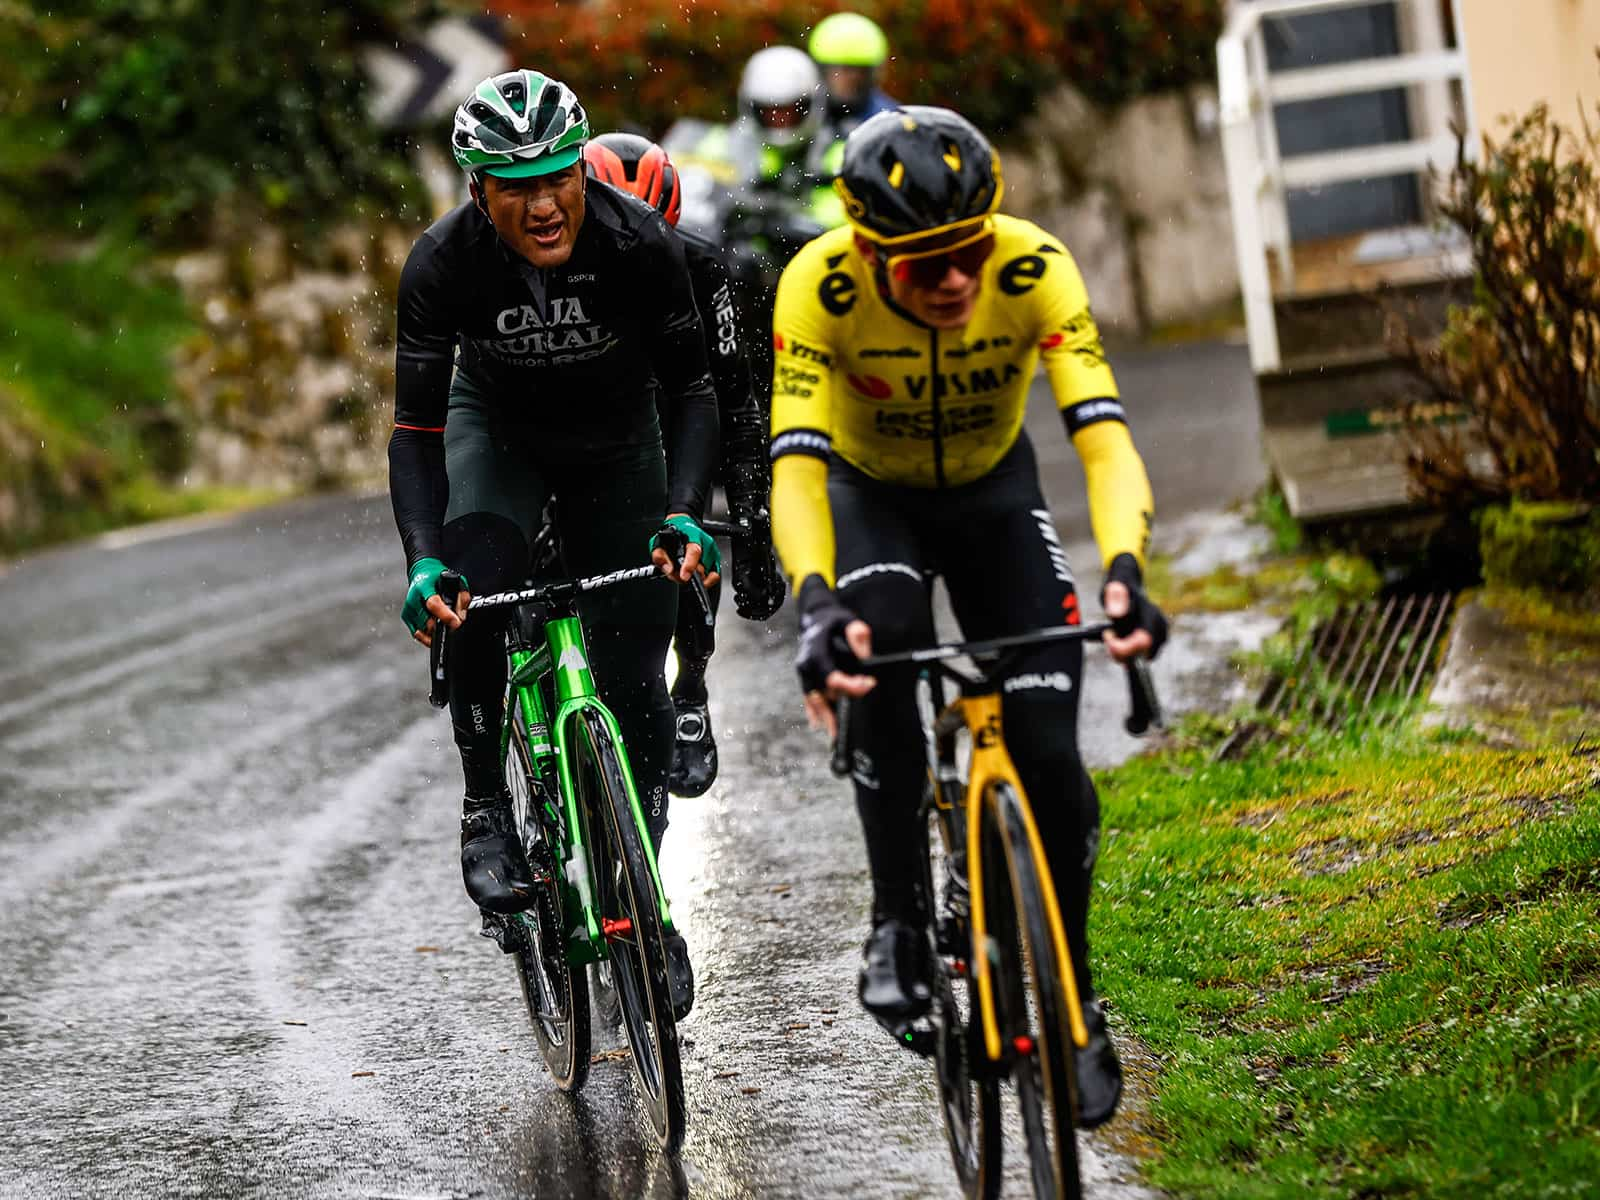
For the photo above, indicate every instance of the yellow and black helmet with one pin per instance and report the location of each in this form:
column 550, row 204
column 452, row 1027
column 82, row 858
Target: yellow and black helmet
column 916, row 171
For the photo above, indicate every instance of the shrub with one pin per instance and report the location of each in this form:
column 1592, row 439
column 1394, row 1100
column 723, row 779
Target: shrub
column 143, row 113
column 1522, row 360
column 1551, row 546
column 649, row 62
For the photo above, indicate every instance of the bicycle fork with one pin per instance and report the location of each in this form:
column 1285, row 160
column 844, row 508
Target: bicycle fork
column 991, row 764
column 565, row 656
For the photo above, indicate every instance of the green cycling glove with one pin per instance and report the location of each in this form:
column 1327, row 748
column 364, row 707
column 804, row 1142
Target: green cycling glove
column 710, row 556
column 424, row 583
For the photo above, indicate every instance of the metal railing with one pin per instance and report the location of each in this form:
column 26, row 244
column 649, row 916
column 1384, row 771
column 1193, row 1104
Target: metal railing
column 1260, row 176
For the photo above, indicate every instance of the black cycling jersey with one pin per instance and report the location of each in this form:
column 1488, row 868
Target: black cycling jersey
column 569, row 352
column 743, row 465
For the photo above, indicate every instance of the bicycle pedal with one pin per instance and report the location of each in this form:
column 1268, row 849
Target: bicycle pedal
column 500, row 930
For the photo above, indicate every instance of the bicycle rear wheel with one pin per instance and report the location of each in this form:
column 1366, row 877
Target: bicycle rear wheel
column 556, row 995
column 1030, row 995
column 635, row 934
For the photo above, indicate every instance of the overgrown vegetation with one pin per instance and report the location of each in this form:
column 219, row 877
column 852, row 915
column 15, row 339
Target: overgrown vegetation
column 129, row 116
column 1522, row 360
column 1553, row 546
column 649, row 62
column 132, row 129
column 1364, row 964
column 89, row 340
column 1292, row 579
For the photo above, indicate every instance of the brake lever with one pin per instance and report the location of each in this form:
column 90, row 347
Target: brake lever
column 1144, row 706
column 703, row 599
column 677, row 545
column 449, row 590
column 839, row 760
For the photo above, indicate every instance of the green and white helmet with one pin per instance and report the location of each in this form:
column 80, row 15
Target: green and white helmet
column 519, row 123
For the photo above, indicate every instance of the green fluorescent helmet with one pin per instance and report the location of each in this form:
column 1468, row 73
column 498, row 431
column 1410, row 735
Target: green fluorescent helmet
column 517, row 124
column 849, row 39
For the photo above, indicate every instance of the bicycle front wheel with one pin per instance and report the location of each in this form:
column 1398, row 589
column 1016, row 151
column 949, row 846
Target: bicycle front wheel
column 634, row 932
column 969, row 1094
column 556, row 995
column 1030, row 994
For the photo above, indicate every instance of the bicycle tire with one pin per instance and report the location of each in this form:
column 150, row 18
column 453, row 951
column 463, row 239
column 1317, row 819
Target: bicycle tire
column 1030, row 999
column 968, row 1101
column 555, row 995
column 639, row 962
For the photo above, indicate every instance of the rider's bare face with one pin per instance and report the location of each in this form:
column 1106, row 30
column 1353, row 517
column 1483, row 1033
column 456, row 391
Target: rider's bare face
column 538, row 216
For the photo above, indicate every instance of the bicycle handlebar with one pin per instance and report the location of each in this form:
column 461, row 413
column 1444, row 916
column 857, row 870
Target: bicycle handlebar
column 759, row 523
column 561, row 590
column 1144, row 707
column 1063, row 633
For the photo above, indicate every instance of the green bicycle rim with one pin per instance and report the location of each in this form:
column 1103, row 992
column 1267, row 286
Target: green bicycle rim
column 639, row 970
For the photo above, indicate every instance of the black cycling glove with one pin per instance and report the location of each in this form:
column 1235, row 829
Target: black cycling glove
column 822, row 645
column 757, row 579
column 1142, row 611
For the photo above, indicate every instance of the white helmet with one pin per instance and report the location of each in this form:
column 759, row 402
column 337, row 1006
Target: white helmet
column 782, row 78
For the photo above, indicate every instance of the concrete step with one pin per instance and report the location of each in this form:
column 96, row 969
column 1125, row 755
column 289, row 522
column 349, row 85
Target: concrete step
column 1330, row 432
column 1314, row 326
column 1312, row 389
column 1335, row 478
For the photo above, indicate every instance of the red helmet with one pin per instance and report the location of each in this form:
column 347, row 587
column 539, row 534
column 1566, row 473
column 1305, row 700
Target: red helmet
column 636, row 164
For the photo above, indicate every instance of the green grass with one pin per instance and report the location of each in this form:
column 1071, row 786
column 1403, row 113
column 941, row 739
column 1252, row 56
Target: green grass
column 1272, row 511
column 1367, row 968
column 1308, row 584
column 89, row 334
column 87, row 339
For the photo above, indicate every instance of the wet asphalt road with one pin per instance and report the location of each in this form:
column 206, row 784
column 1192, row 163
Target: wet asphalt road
column 236, row 958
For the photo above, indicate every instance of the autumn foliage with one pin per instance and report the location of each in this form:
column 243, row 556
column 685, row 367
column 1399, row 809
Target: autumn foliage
column 648, row 62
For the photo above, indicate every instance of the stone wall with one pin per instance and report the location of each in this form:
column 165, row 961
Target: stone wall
column 1140, row 197
column 290, row 383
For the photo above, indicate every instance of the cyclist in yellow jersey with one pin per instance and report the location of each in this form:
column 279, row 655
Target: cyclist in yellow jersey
column 904, row 348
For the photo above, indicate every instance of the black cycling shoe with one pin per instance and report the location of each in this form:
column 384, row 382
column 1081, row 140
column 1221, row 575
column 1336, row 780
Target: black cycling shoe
column 1099, row 1072
column 694, row 752
column 493, row 864
column 894, row 981
column 680, row 975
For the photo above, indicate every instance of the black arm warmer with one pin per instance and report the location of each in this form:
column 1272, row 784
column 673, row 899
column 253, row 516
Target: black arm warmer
column 419, row 490
column 743, row 461
column 678, row 357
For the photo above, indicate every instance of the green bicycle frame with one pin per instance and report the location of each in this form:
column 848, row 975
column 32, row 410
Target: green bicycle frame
column 550, row 747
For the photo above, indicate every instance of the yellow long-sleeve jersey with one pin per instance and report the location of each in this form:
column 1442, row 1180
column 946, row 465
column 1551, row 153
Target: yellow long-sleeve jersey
column 926, row 408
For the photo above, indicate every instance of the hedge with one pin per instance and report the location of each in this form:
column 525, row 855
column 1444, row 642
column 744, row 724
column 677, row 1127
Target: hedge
column 648, row 62
column 138, row 115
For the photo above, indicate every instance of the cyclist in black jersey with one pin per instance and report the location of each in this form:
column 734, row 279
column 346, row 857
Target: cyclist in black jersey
column 637, row 165
column 534, row 324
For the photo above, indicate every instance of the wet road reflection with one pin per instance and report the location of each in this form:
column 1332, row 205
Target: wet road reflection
column 237, row 959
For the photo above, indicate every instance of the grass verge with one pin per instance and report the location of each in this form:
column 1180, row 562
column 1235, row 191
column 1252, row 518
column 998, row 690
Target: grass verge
column 1367, row 968
column 85, row 375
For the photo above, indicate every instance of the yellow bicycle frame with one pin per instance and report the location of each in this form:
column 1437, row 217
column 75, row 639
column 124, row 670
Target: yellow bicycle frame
column 991, row 764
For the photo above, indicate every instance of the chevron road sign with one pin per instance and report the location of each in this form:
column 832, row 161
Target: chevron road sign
column 423, row 79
